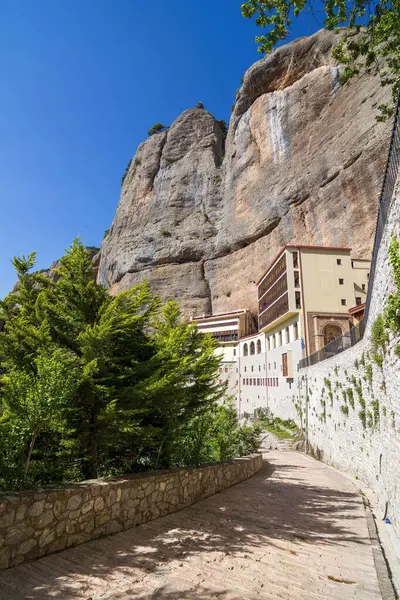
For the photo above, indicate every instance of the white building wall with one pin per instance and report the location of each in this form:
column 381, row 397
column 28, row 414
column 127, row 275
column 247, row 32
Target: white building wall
column 281, row 390
column 252, row 373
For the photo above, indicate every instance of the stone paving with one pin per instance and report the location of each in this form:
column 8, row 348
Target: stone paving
column 297, row 530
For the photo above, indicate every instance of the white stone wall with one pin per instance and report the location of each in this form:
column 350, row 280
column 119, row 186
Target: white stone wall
column 280, row 397
column 252, row 367
column 371, row 453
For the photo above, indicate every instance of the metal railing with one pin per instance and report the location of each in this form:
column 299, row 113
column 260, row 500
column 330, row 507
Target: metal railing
column 384, row 204
column 345, row 341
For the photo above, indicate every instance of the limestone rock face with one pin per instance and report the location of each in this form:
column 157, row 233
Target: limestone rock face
column 201, row 217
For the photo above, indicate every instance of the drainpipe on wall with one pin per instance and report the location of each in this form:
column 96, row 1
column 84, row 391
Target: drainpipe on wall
column 306, row 419
column 266, row 371
column 303, row 306
column 239, row 375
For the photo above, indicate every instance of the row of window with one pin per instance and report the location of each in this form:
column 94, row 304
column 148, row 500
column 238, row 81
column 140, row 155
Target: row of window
column 278, row 309
column 272, row 276
column 254, row 381
column 283, row 337
column 252, row 368
column 268, row 381
column 275, row 292
column 225, row 336
column 252, row 348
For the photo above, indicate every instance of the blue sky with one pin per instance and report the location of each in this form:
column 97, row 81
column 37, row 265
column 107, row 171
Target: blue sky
column 81, row 83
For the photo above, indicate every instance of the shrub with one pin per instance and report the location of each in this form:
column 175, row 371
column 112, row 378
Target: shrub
column 157, row 128
column 392, row 310
column 350, row 397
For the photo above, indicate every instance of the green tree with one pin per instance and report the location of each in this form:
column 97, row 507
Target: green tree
column 157, row 128
column 183, row 382
column 36, row 399
column 23, row 333
column 371, row 42
column 108, row 336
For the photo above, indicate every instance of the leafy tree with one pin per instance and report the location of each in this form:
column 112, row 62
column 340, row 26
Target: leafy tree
column 96, row 385
column 157, row 128
column 371, row 43
column 36, row 399
column 108, row 337
column 23, row 333
column 216, row 435
column 183, row 382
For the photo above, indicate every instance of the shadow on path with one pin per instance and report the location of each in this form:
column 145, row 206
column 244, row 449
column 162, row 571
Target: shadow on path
column 281, row 503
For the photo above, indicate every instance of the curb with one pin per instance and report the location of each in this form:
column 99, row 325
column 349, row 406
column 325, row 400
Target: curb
column 382, row 567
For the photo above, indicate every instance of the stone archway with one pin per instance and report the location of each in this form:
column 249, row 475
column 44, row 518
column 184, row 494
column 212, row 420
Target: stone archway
column 331, row 331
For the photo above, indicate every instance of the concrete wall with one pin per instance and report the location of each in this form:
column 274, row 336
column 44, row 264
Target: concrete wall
column 33, row 524
column 367, row 449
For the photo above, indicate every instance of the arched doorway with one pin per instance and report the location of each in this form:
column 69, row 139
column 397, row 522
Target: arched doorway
column 331, row 332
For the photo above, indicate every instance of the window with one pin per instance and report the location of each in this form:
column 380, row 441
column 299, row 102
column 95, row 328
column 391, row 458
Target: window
column 245, row 369
column 287, row 334
column 298, row 300
column 358, row 300
column 259, row 367
column 295, row 332
column 251, row 381
column 269, row 366
column 234, row 352
column 247, row 381
column 343, row 301
column 284, row 365
column 245, row 350
column 258, row 346
column 295, row 260
column 280, row 338
column 252, row 368
column 252, row 348
column 254, row 381
column 296, row 279
column 339, row 261
column 244, row 381
column 258, row 381
column 367, row 275
column 274, row 365
column 236, row 370
column 276, row 382
column 269, row 344
column 226, row 369
column 341, row 281
column 363, row 287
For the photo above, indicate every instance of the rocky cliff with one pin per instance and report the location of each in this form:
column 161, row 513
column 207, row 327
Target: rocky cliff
column 200, row 216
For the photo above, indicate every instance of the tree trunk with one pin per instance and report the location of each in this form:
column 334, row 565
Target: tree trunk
column 159, row 453
column 28, row 458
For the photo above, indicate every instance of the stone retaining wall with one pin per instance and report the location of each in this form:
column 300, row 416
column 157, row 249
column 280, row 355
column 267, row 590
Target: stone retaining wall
column 354, row 404
column 33, row 524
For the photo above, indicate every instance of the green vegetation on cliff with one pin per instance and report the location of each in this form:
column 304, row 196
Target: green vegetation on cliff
column 370, row 44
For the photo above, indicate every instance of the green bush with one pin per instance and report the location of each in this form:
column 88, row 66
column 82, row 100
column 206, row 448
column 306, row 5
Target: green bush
column 157, row 128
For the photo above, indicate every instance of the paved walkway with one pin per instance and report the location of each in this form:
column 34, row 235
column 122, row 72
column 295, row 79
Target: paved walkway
column 297, row 530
